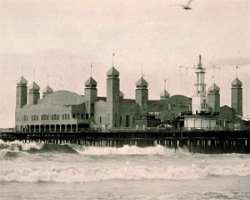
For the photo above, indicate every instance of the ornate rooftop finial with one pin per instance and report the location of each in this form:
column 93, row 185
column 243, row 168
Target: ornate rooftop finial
column 113, row 55
column 142, row 74
column 200, row 62
column 91, row 69
column 165, row 84
column 34, row 74
column 236, row 71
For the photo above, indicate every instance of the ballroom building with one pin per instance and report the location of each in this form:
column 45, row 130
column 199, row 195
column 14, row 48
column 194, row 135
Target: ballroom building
column 60, row 111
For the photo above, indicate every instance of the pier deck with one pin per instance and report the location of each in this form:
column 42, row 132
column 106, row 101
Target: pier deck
column 224, row 141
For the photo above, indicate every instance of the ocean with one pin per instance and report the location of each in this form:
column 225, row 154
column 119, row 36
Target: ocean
column 50, row 171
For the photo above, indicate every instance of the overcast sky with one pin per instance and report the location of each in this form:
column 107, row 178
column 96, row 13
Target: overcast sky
column 60, row 38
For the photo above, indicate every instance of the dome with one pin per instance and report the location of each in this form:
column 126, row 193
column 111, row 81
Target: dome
column 121, row 94
column 48, row 89
column 90, row 82
column 214, row 88
column 236, row 83
column 113, row 72
column 34, row 86
column 165, row 94
column 22, row 81
column 142, row 83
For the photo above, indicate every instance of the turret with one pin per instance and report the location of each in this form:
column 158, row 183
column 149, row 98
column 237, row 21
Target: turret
column 34, row 93
column 213, row 98
column 21, row 92
column 141, row 93
column 236, row 96
column 113, row 96
column 48, row 90
column 90, row 95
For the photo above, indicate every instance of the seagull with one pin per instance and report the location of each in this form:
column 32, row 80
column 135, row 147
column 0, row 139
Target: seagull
column 187, row 6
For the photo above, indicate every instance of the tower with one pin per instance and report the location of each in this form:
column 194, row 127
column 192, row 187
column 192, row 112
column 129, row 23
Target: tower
column 48, row 90
column 236, row 96
column 213, row 98
column 199, row 99
column 21, row 92
column 34, row 93
column 90, row 95
column 113, row 96
column 141, row 93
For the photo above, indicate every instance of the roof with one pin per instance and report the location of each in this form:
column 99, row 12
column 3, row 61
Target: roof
column 34, row 86
column 236, row 83
column 113, row 72
column 63, row 97
column 142, row 83
column 91, row 82
column 214, row 88
column 22, row 81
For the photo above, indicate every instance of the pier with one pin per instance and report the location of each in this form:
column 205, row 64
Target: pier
column 198, row 141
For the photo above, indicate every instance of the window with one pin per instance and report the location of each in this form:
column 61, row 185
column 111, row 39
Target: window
column 45, row 117
column 120, row 120
column 55, row 117
column 87, row 115
column 82, row 116
column 34, row 118
column 25, row 118
column 127, row 120
column 100, row 119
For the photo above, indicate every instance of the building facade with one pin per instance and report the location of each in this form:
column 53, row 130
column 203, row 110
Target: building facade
column 61, row 111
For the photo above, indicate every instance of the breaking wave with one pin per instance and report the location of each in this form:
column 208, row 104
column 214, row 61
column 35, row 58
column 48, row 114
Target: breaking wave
column 33, row 147
column 33, row 162
column 82, row 174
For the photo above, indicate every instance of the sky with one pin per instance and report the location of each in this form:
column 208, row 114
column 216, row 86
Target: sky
column 55, row 41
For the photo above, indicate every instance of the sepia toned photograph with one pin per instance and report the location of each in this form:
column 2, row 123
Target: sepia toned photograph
column 125, row 99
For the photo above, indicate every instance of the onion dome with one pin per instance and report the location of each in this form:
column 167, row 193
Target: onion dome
column 48, row 90
column 142, row 83
column 214, row 88
column 34, row 86
column 90, row 82
column 22, row 81
column 236, row 83
column 165, row 94
column 113, row 72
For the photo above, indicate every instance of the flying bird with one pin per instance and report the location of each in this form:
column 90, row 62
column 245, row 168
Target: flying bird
column 187, row 6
